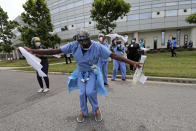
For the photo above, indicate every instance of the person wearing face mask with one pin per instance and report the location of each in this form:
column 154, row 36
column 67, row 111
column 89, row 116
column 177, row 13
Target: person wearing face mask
column 133, row 52
column 44, row 62
column 119, row 49
column 103, row 63
column 89, row 80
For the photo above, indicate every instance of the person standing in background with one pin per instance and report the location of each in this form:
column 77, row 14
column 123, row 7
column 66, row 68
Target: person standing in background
column 173, row 47
column 133, row 52
column 44, row 62
column 103, row 63
column 119, row 49
column 67, row 57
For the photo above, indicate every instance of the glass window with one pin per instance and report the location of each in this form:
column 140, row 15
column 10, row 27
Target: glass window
column 133, row 17
column 88, row 1
column 145, row 6
column 158, row 5
column 171, row 13
column 194, row 10
column 145, row 15
column 194, row 1
column 178, row 36
column 135, row 8
column 80, row 25
column 171, row 3
column 163, row 38
column 65, row 7
column 184, row 2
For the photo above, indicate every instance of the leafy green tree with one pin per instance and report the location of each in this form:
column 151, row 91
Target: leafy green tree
column 106, row 12
column 38, row 23
column 191, row 19
column 6, row 32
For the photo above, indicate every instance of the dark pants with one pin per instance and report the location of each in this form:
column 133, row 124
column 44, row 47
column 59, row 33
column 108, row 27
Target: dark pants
column 134, row 58
column 173, row 53
column 46, row 79
column 66, row 60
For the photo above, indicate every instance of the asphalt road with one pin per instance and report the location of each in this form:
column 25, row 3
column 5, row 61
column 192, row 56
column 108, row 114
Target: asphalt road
column 154, row 106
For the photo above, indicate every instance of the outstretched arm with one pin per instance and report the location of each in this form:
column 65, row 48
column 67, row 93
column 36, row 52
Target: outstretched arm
column 120, row 58
column 44, row 51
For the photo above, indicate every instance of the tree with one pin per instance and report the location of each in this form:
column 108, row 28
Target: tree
column 6, row 32
column 38, row 23
column 106, row 12
column 191, row 19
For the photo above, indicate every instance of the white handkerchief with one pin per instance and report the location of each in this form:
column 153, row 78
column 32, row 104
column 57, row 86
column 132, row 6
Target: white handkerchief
column 143, row 79
column 33, row 61
column 57, row 56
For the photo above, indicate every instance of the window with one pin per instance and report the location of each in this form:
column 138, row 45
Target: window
column 172, row 4
column 158, row 5
column 178, row 36
column 146, row 16
column 194, row 10
column 184, row 2
column 134, row 8
column 80, row 25
column 145, row 6
column 163, row 38
column 185, row 39
column 133, row 17
column 193, row 1
column 171, row 13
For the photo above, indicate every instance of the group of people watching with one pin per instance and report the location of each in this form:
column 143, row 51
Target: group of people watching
column 131, row 51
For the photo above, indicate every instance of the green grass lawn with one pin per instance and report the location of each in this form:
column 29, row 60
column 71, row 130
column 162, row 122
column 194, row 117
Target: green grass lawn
column 159, row 64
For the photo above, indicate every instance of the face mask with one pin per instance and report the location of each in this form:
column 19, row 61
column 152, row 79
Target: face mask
column 100, row 39
column 37, row 44
column 133, row 41
column 85, row 44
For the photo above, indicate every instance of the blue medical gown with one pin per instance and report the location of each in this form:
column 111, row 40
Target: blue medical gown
column 84, row 62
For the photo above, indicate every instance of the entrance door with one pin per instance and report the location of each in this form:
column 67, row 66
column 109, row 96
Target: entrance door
column 155, row 42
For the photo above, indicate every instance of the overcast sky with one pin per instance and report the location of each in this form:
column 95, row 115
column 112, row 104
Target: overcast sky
column 12, row 7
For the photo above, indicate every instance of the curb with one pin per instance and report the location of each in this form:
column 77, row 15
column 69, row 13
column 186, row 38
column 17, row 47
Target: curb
column 150, row 78
column 164, row 79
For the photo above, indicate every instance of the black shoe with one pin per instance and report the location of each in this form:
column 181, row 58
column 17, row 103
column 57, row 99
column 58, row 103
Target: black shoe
column 106, row 84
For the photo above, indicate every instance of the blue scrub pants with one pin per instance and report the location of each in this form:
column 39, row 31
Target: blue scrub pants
column 104, row 70
column 116, row 65
column 88, row 90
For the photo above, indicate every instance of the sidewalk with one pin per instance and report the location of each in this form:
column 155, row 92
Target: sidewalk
column 150, row 78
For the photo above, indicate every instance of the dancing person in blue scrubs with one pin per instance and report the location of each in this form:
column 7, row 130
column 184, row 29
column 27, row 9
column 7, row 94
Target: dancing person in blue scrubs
column 103, row 63
column 86, row 54
column 119, row 49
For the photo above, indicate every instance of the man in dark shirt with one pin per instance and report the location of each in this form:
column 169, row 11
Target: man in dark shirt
column 133, row 52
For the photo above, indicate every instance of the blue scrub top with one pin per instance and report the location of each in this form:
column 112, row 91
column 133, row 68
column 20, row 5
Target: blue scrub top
column 102, row 59
column 173, row 42
column 117, row 51
column 86, row 60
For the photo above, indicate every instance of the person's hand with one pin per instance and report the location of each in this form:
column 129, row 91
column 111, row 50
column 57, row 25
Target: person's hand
column 138, row 65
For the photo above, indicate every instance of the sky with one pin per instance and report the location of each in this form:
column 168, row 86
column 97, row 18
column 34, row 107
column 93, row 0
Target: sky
column 12, row 7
